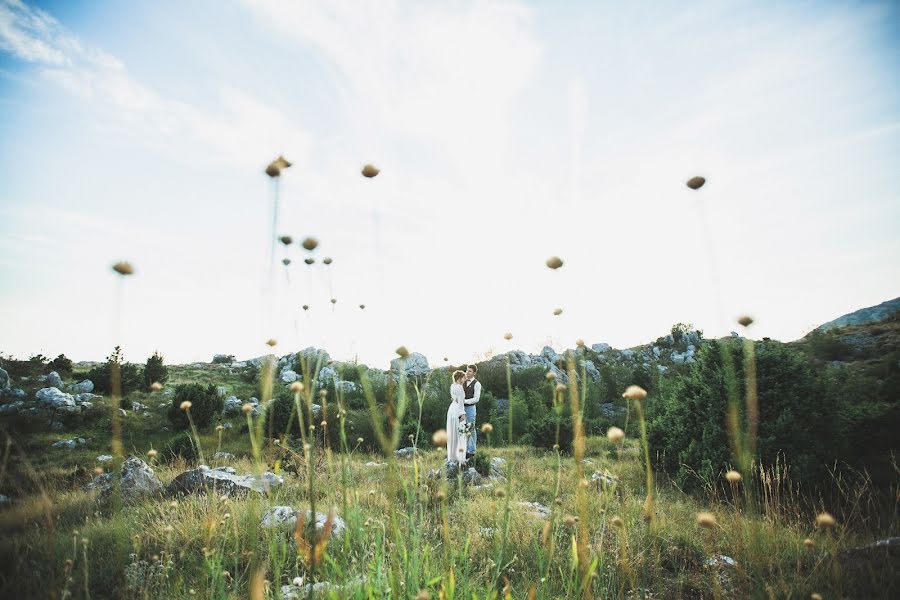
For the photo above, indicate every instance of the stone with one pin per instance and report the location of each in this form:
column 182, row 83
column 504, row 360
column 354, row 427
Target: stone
column 14, row 393
column 168, row 392
column 414, row 364
column 82, row 387
column 627, row 354
column 656, row 351
column 498, row 468
column 137, row 406
column 86, row 406
column 5, row 381
column 162, row 405
column 5, row 500
column 56, row 426
column 662, row 369
column 223, row 456
column 104, row 458
column 84, row 397
column 222, row 482
column 605, row 481
column 288, row 376
column 137, row 481
column 285, row 517
column 550, row 354
column 54, row 380
column 232, row 405
column 880, row 556
column 122, row 412
column 601, row 348
column 720, row 560
column 221, row 391
column 11, row 408
column 320, row 589
column 68, row 444
column 535, row 509
column 405, row 452
column 371, row 464
column 51, row 397
column 611, row 410
column 590, row 369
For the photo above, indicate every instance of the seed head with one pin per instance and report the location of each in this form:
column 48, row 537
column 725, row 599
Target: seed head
column 554, row 262
column 359, row 440
column 155, row 386
column 310, row 243
column 707, row 520
column 580, row 343
column 733, row 476
column 556, row 446
column 151, row 453
column 825, row 521
column 809, row 543
column 695, row 183
column 557, row 311
column 558, row 502
column 98, row 470
column 423, row 595
column 500, row 493
column 323, row 424
column 286, row 240
column 220, row 428
column 615, row 435
column 439, row 438
column 745, row 320
column 362, row 307
column 123, row 268
column 275, row 167
column 507, row 336
column 334, row 300
column 446, row 359
column 815, row 596
column 68, row 562
column 635, row 392
column 561, row 388
column 323, row 393
column 296, row 387
column 327, row 260
column 550, row 375
column 570, row 521
column 440, row 496
column 487, row 428
column 370, row 171
column 285, row 261
column 402, row 352
column 271, row 342
column 306, row 307
column 186, row 405
column 309, row 260
column 584, row 484
column 617, row 522
column 247, row 408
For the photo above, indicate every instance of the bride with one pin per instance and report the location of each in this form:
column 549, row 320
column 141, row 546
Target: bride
column 456, row 414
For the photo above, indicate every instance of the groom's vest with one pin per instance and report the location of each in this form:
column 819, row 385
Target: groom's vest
column 469, row 389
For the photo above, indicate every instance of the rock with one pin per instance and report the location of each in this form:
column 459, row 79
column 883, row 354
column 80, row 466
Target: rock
column 720, row 560
column 320, row 589
column 285, row 517
column 414, row 364
column 56, row 426
column 498, row 468
column 68, row 444
column 137, row 481
column 11, row 408
column 550, row 354
column 605, row 481
column 14, row 393
column 104, row 458
column 232, row 405
column 84, row 397
column 221, row 391
column 86, row 406
column 627, row 354
column 203, row 478
column 288, row 376
column 662, row 369
column 590, row 369
column 82, row 387
column 613, row 411
column 51, row 397
column 54, row 380
column 535, row 509
column 5, row 381
column 227, row 425
column 168, row 392
column 601, row 348
column 5, row 500
column 223, row 358
column 656, row 351
column 162, row 405
column 223, row 456
column 405, row 452
column 879, row 556
column 375, row 464
column 137, row 407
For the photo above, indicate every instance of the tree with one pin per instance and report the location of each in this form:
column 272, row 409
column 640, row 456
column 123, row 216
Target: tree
column 155, row 371
column 129, row 374
column 62, row 365
column 205, row 404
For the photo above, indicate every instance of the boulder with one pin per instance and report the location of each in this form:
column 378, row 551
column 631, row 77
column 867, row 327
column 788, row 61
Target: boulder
column 611, row 410
column 104, row 458
column 14, row 393
column 601, row 348
column 137, row 481
column 221, row 481
column 82, row 387
column 321, row 589
column 5, row 381
column 51, row 397
column 221, row 391
column 288, row 376
column 54, row 380
column 876, row 557
column 605, row 481
column 372, row 464
column 232, row 405
column 590, row 369
column 550, row 354
column 627, row 354
column 137, row 406
column 285, row 517
column 12, row 407
column 535, row 509
column 68, row 444
column 414, row 364
column 405, row 452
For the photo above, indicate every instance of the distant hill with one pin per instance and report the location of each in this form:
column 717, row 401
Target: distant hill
column 872, row 314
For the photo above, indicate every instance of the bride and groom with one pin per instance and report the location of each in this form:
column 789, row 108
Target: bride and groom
column 461, row 435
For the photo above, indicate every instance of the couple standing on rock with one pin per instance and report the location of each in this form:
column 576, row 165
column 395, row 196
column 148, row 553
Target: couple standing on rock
column 461, row 436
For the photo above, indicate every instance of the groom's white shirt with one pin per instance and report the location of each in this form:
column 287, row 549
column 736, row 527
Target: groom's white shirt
column 477, row 394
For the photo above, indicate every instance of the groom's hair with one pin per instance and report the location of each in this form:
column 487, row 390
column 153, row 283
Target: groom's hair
column 473, row 367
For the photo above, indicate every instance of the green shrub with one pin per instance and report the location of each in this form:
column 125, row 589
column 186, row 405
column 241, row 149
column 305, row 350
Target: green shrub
column 62, row 365
column 205, row 404
column 36, row 365
column 130, row 375
column 181, row 445
column 155, row 371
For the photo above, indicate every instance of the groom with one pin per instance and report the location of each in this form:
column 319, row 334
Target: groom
column 472, row 388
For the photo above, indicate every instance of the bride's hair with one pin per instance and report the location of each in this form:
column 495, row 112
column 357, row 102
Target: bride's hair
column 457, row 375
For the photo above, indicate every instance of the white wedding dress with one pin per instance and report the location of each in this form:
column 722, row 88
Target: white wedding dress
column 456, row 443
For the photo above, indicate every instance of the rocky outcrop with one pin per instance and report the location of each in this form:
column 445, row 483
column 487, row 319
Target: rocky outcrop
column 223, row 481
column 413, row 365
column 5, row 381
column 136, row 481
column 872, row 314
column 82, row 387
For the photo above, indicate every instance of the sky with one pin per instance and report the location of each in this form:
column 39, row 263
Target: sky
column 506, row 132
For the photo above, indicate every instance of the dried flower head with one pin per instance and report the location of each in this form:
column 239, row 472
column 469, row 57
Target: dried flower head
column 824, row 520
column 285, row 261
column 247, row 408
column 98, row 470
column 151, row 453
column 68, row 562
column 271, row 342
column 274, row 168
column 707, row 520
column 615, row 435
column 323, row 424
column 557, row 311
column 561, row 388
column 617, row 522
column 310, row 243
column 446, row 359
column 286, row 240
column 487, row 428
column 156, row 386
column 556, row 446
column 123, row 268
column 327, row 260
column 402, row 352
column 569, row 520
column 695, row 183
column 635, row 392
column 809, row 543
column 580, row 343
column 305, row 307
column 334, row 300
column 423, row 595
column 733, row 476
column 550, row 375
column 745, row 320
column 359, row 440
column 370, row 171
column 362, row 307
column 323, row 393
column 309, row 260
column 439, row 438
column 220, row 428
column 186, row 405
column 584, row 484
column 507, row 336
column 815, row 596
column 554, row 262
column 500, row 493
column 296, row 387
column 440, row 496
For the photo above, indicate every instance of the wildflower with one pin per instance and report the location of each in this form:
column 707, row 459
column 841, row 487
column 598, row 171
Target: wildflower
column 310, row 243
column 370, row 171
column 151, row 453
column 123, row 268
column 439, row 438
column 745, row 320
column 554, row 262
column 635, row 392
column 570, row 521
column 707, row 520
column 487, row 428
column 271, row 342
column 550, row 375
column 247, row 408
column 825, row 521
column 615, row 435
column 617, row 522
column 296, row 387
column 323, row 424
column 286, row 240
column 155, row 386
column 733, row 476
column 561, row 388
column 557, row 311
column 186, row 405
column 809, row 543
column 402, row 352
column 220, row 428
column 695, row 183
column 556, row 446
column 500, row 493
column 327, row 260
column 359, row 440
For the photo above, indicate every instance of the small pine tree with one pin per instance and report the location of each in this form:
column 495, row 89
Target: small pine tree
column 101, row 375
column 62, row 365
column 155, row 371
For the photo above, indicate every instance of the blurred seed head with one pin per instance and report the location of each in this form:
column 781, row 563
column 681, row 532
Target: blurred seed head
column 809, row 543
column 402, row 352
column 707, row 520
column 815, row 596
column 745, row 320
column 584, row 484
column 310, row 243
column 439, row 438
column 362, row 307
column 247, row 408
column 156, row 386
column 151, row 453
column 271, row 342
column 635, row 392
column 561, row 388
column 824, row 520
column 296, row 387
column 285, row 261
column 733, row 476
column 323, row 393
column 556, row 446
column 306, row 307
column 557, row 311
column 423, row 595
column 617, row 522
column 286, row 240
column 220, row 428
column 695, row 183
column 334, row 300
column 487, row 428
column 274, row 168
column 98, row 470
column 123, row 268
column 327, row 260
column 554, row 262
column 500, row 493
column 615, row 435
column 359, row 440
column 309, row 260
column 569, row 521
column 186, row 405
column 580, row 343
column 370, row 171
column 550, row 375
column 323, row 424
column 440, row 496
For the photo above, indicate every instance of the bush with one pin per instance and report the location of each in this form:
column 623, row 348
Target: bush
column 181, row 445
column 130, row 375
column 250, row 373
column 62, row 365
column 223, row 359
column 205, row 404
column 36, row 365
column 155, row 371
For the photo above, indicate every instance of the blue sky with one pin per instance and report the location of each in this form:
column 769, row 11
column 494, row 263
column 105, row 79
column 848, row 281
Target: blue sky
column 506, row 132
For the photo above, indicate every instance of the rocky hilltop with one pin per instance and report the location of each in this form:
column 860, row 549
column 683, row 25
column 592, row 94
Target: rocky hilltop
column 872, row 314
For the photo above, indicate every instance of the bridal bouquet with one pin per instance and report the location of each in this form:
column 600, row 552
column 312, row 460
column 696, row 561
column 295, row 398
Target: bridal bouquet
column 465, row 428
